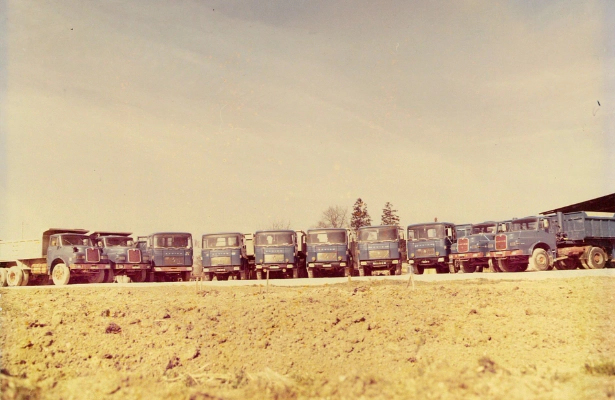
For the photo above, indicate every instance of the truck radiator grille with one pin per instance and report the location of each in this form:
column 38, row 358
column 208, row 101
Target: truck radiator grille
column 220, row 261
column 373, row 254
column 326, row 256
column 134, row 256
column 173, row 260
column 426, row 252
column 500, row 242
column 274, row 258
column 463, row 245
column 92, row 255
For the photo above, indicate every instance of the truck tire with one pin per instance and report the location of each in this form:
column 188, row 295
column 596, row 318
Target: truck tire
column 596, row 258
column 3, row 272
column 26, row 277
column 14, row 277
column 186, row 276
column 139, row 276
column 60, row 274
column 493, row 265
column 505, row 265
column 259, row 275
column 109, row 276
column 418, row 269
column 467, row 268
column 310, row 273
column 566, row 264
column 539, row 261
column 97, row 277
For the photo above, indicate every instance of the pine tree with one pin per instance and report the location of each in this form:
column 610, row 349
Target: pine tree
column 389, row 216
column 360, row 217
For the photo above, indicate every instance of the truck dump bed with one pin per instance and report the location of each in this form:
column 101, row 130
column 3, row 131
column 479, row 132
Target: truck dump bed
column 580, row 226
column 21, row 250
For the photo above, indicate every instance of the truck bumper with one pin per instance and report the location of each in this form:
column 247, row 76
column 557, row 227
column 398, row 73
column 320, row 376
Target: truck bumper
column 428, row 262
column 275, row 267
column 222, row 269
column 333, row 265
column 171, row 269
column 131, row 266
column 506, row 254
column 467, row 256
column 379, row 264
column 89, row 266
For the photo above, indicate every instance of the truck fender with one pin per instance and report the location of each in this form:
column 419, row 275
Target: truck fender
column 551, row 252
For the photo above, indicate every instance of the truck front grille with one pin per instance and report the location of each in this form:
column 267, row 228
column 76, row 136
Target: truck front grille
column 326, row 256
column 134, row 255
column 373, row 254
column 220, row 261
column 463, row 245
column 426, row 252
column 173, row 260
column 92, row 255
column 274, row 258
column 500, row 242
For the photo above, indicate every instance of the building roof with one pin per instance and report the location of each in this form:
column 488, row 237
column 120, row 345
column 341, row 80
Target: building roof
column 599, row 204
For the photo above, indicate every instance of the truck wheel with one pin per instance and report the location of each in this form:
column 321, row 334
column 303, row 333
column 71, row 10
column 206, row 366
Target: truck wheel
column 60, row 275
column 139, row 276
column 259, row 275
column 596, row 258
column 310, row 272
column 505, row 265
column 493, row 265
column 26, row 277
column 418, row 270
column 566, row 264
column 97, row 277
column 539, row 261
column 3, row 277
column 14, row 277
column 467, row 268
column 186, row 276
column 109, row 276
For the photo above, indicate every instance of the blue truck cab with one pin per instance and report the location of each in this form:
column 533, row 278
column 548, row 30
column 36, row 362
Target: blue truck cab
column 429, row 246
column 380, row 248
column 469, row 253
column 228, row 254
column 279, row 251
column 70, row 253
column 525, row 244
column 328, row 252
column 170, row 255
column 125, row 259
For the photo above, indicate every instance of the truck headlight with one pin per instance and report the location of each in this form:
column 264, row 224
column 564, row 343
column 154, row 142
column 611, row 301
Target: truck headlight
column 339, row 258
column 437, row 253
column 313, row 258
column 395, row 261
column 411, row 254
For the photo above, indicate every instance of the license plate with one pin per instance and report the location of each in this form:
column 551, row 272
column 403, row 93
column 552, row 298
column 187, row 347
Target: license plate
column 221, row 270
column 274, row 267
column 425, row 262
column 327, row 265
column 462, row 256
column 379, row 262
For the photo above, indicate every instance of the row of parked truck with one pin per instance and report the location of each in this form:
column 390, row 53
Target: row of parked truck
column 538, row 243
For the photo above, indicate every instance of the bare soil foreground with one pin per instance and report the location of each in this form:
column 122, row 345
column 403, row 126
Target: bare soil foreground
column 481, row 339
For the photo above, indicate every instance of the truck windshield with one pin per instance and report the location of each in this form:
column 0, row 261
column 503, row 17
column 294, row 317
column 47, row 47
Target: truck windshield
column 463, row 231
column 483, row 228
column 176, row 241
column 76, row 240
column 377, row 234
column 273, row 238
column 328, row 237
column 426, row 232
column 119, row 242
column 528, row 224
column 220, row 241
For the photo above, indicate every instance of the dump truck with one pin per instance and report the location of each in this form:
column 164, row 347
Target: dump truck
column 64, row 255
column 279, row 251
column 329, row 252
column 380, row 248
column 126, row 260
column 170, row 255
column 227, row 255
column 429, row 246
column 565, row 241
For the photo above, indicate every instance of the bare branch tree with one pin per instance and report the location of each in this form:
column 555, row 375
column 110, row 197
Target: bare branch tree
column 334, row 217
column 279, row 224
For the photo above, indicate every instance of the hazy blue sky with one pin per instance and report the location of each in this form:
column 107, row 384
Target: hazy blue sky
column 206, row 116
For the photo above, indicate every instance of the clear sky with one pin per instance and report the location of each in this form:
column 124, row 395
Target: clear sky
column 206, row 116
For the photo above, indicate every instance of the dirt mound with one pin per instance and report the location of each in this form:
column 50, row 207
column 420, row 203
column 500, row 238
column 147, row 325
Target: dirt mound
column 530, row 339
